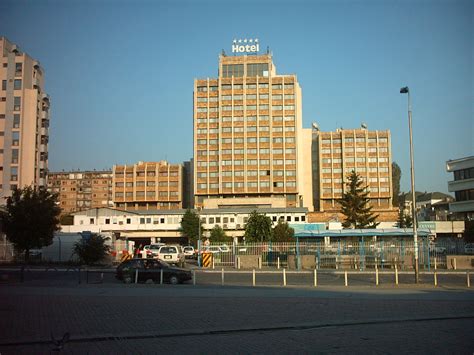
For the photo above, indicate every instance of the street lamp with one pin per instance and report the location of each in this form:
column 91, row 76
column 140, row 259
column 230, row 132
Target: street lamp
column 405, row 90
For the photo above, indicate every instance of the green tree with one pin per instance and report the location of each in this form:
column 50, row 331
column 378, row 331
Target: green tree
column 396, row 176
column 404, row 220
column 218, row 235
column 355, row 204
column 31, row 218
column 283, row 232
column 190, row 226
column 91, row 250
column 258, row 228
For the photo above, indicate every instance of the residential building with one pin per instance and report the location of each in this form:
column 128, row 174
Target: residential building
column 24, row 120
column 148, row 186
column 430, row 206
column 336, row 154
column 462, row 186
column 249, row 144
column 80, row 190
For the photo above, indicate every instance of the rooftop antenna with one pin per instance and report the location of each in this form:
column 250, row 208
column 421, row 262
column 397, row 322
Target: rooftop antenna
column 363, row 125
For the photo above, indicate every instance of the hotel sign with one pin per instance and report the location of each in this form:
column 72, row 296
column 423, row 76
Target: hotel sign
column 245, row 45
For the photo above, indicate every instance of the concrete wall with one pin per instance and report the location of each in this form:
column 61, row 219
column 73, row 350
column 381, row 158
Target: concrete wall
column 462, row 262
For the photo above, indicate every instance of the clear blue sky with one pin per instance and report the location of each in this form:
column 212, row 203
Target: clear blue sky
column 120, row 73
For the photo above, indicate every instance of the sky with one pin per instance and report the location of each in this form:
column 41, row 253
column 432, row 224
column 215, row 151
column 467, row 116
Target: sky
column 120, row 73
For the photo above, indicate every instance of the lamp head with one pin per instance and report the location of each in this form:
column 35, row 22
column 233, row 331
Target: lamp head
column 404, row 90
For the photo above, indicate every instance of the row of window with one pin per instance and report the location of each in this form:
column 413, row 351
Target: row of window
column 247, row 86
column 363, row 178
column 149, row 173
column 148, row 183
column 147, row 194
column 464, row 195
column 249, row 151
column 356, row 149
column 241, row 97
column 370, row 189
column 245, row 129
column 16, row 84
column 249, row 184
column 249, row 119
column 464, row 174
column 358, row 169
column 357, row 140
column 240, row 162
column 352, row 160
column 241, row 173
column 249, row 140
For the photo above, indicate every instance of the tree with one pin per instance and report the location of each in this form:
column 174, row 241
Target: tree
column 404, row 220
column 31, row 218
column 258, row 227
column 190, row 225
column 283, row 232
column 396, row 175
column 218, row 234
column 92, row 249
column 355, row 204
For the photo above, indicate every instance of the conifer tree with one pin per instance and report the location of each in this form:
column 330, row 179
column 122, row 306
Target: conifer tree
column 355, row 204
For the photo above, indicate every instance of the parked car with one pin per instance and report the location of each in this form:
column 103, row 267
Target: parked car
column 153, row 248
column 150, row 269
column 189, row 252
column 469, row 248
column 172, row 254
column 215, row 249
column 437, row 249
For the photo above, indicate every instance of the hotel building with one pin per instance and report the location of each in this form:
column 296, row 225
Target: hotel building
column 248, row 139
column 340, row 152
column 81, row 190
column 24, row 120
column 148, row 186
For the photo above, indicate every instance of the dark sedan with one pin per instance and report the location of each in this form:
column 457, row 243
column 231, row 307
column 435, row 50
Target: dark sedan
column 150, row 269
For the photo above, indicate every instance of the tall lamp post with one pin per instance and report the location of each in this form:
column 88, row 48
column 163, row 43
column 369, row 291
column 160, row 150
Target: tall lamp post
column 405, row 90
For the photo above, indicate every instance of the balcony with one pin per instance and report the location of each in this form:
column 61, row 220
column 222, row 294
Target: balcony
column 459, row 185
column 43, row 148
column 44, row 131
column 44, row 115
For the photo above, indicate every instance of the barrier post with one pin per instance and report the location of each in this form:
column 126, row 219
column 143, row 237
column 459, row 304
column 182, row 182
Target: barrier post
column 284, row 277
column 253, row 278
column 238, row 262
column 194, row 277
column 222, row 277
column 87, row 276
column 468, row 279
column 454, row 264
column 79, row 274
column 435, row 276
column 278, row 262
column 101, row 277
column 396, row 274
column 260, row 262
column 136, row 275
column 212, row 257
column 161, row 277
column 376, row 277
column 435, row 263
column 315, row 278
column 345, row 278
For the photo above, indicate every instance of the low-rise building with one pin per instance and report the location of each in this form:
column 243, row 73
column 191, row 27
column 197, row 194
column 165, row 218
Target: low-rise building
column 462, row 186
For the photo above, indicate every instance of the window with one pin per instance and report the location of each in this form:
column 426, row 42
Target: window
column 230, row 70
column 263, row 86
column 4, row 84
column 17, row 84
column 15, row 138
column 277, row 86
column 257, row 69
column 251, row 86
column 202, row 88
column 277, row 97
column 226, row 87
column 251, row 118
column 17, row 103
column 252, row 96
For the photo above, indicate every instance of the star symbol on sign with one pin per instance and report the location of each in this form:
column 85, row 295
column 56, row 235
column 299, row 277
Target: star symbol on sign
column 234, row 41
column 250, row 40
column 240, row 41
column 245, row 40
column 256, row 40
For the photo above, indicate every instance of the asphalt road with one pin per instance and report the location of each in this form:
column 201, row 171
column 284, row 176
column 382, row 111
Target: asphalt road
column 146, row 318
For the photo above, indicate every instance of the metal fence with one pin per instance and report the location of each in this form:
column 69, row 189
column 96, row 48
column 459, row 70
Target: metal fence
column 341, row 254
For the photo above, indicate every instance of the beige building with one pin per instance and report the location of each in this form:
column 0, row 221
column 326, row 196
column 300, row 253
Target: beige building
column 148, row 186
column 248, row 137
column 24, row 120
column 340, row 152
column 81, row 190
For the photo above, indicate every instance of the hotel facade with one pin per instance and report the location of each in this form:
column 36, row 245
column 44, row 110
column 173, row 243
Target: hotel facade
column 24, row 120
column 250, row 149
